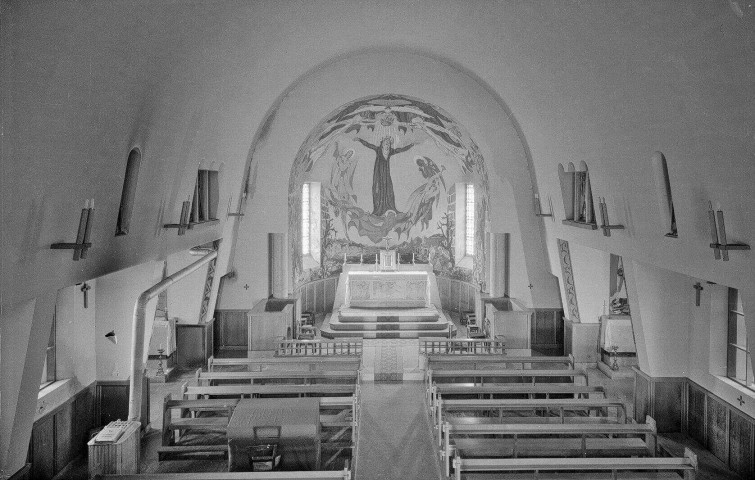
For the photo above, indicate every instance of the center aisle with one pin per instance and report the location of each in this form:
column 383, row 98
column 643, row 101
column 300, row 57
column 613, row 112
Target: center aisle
column 395, row 439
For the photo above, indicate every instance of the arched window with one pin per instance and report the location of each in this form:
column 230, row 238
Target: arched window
column 129, row 192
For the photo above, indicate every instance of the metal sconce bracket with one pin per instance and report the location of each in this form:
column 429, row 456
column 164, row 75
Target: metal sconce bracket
column 718, row 235
column 606, row 227
column 82, row 244
column 232, row 214
column 539, row 208
column 183, row 224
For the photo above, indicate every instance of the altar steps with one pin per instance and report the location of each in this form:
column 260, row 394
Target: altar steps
column 402, row 334
column 334, row 327
column 372, row 315
column 388, row 325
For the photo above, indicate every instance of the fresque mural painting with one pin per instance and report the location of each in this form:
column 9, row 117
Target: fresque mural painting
column 388, row 166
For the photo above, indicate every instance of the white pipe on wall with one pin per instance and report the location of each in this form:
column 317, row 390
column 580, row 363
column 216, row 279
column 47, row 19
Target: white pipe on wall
column 137, row 332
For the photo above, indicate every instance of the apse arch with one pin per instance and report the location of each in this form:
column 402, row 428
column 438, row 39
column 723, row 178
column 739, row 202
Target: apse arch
column 429, row 152
column 435, row 81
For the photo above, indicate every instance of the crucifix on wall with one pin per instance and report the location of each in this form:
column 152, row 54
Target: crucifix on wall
column 85, row 290
column 698, row 288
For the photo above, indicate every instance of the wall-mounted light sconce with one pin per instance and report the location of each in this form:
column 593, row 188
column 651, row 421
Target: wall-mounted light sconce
column 232, row 214
column 111, row 336
column 82, row 236
column 539, row 209
column 718, row 236
column 606, row 227
column 698, row 288
column 183, row 224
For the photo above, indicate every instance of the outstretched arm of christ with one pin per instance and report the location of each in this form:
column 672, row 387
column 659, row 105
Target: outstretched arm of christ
column 402, row 149
column 367, row 144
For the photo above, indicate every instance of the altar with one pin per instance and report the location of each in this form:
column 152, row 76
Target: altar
column 393, row 289
column 618, row 352
column 392, row 300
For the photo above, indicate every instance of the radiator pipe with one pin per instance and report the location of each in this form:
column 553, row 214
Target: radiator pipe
column 137, row 331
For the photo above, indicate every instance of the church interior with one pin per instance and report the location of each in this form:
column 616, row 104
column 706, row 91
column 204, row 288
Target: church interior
column 377, row 239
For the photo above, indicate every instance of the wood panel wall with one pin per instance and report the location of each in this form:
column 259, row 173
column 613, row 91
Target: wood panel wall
column 231, row 330
column 61, row 436
column 680, row 404
column 111, row 401
column 547, row 331
column 727, row 432
column 661, row 398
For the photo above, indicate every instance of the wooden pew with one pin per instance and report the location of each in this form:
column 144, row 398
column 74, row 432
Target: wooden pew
column 338, row 419
column 507, row 376
column 452, row 391
column 344, row 474
column 476, row 362
column 269, row 391
column 537, row 440
column 585, row 407
column 187, row 420
column 555, row 468
column 276, row 377
column 341, row 362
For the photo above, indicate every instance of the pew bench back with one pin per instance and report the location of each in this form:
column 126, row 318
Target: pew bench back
column 540, row 467
column 475, row 362
column 345, row 362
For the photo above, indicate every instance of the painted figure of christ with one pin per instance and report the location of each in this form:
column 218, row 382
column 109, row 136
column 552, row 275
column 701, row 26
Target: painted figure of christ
column 383, row 198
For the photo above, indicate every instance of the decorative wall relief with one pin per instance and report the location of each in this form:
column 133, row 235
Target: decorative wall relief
column 568, row 276
column 387, row 164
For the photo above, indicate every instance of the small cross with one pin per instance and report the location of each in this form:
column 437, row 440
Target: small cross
column 530, row 286
column 740, row 400
column 246, row 286
column 699, row 289
column 85, row 290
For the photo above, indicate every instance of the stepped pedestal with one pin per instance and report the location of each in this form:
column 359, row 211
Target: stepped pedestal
column 401, row 303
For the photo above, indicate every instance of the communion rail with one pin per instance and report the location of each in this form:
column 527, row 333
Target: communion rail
column 299, row 348
column 453, row 346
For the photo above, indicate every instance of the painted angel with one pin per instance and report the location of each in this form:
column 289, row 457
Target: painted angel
column 427, row 196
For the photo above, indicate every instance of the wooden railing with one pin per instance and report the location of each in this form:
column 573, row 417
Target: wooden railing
column 453, row 346
column 457, row 295
column 317, row 296
column 296, row 348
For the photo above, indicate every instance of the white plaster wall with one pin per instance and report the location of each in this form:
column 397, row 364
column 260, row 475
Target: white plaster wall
column 591, row 280
column 185, row 296
column 116, row 296
column 662, row 304
column 75, row 328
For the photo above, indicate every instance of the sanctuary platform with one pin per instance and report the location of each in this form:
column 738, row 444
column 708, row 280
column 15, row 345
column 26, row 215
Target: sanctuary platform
column 399, row 302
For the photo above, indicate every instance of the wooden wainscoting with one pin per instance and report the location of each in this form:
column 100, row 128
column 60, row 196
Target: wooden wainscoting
column 681, row 405
column 547, row 331
column 111, row 401
column 723, row 429
column 231, row 330
column 61, row 436
column 661, row 398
